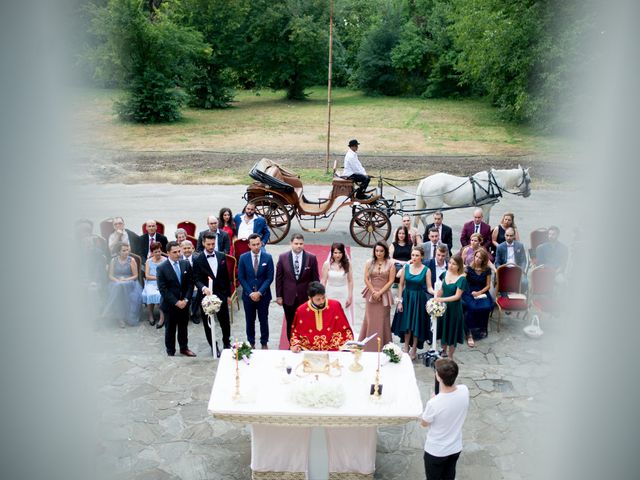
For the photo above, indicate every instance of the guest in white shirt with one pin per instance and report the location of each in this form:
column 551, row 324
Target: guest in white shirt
column 437, row 266
column 353, row 170
column 444, row 415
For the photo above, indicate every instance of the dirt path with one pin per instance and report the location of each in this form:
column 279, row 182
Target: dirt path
column 200, row 167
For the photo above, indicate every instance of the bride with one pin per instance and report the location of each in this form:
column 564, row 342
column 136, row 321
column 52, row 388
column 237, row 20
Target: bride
column 337, row 279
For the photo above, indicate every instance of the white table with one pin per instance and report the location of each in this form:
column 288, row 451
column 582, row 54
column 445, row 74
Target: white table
column 283, row 432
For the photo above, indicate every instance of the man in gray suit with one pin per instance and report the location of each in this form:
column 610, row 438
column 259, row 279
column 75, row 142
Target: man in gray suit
column 431, row 246
column 512, row 251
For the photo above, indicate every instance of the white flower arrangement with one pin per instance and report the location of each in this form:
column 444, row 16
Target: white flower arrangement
column 393, row 352
column 211, row 304
column 318, row 395
column 435, row 308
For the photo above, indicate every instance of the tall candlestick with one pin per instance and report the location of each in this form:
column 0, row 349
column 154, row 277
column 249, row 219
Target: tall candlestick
column 237, row 352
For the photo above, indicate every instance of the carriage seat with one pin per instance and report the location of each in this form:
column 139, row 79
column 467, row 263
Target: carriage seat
column 342, row 186
column 295, row 182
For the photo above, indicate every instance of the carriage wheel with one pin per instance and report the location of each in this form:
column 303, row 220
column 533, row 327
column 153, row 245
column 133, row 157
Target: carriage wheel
column 369, row 226
column 276, row 215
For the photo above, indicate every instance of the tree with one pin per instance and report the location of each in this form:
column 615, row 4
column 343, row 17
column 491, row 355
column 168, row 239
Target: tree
column 286, row 45
column 149, row 56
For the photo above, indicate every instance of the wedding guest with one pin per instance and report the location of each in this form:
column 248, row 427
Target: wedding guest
column 431, row 246
column 454, row 284
column 147, row 239
column 436, row 267
column 255, row 273
column 400, row 249
column 121, row 234
column 444, row 414
column 181, row 236
column 319, row 323
column 477, row 225
column 498, row 233
column 189, row 255
column 226, row 223
column 414, row 234
column 379, row 275
column 445, row 233
column 296, row 269
column 125, row 294
column 92, row 265
column 553, row 253
column 223, row 241
column 337, row 278
column 249, row 222
column 476, row 298
column 175, row 283
column 151, row 294
column 410, row 322
column 468, row 253
column 513, row 252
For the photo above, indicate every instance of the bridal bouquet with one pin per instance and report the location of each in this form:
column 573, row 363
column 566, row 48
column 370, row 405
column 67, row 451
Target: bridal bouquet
column 435, row 308
column 211, row 304
column 393, row 352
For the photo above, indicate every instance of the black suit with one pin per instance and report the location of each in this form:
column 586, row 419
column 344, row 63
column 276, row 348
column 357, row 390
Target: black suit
column 143, row 245
column 223, row 243
column 173, row 290
column 446, row 237
column 221, row 287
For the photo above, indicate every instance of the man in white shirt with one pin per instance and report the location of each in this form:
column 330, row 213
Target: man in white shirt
column 444, row 415
column 353, row 170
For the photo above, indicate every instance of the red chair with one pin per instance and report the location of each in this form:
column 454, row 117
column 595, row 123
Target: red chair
column 106, row 228
column 542, row 289
column 158, row 223
column 232, row 270
column 509, row 299
column 240, row 247
column 536, row 238
column 193, row 241
column 189, row 227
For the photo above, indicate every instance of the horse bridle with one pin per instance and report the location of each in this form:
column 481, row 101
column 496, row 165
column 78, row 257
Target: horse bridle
column 526, row 181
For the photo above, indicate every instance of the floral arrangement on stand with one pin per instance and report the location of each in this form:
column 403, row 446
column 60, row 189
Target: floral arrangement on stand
column 392, row 351
column 435, row 308
column 243, row 350
column 211, row 304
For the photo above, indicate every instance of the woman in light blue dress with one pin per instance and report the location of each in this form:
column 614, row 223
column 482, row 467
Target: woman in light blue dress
column 125, row 293
column 151, row 295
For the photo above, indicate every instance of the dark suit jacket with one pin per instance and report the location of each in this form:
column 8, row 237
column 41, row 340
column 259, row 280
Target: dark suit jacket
column 469, row 228
column 256, row 283
column 446, row 237
column 259, row 226
column 287, row 287
column 143, row 245
column 518, row 252
column 431, row 265
column 170, row 288
column 202, row 272
column 223, row 243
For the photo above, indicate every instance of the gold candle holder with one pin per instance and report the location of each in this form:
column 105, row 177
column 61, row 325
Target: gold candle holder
column 355, row 366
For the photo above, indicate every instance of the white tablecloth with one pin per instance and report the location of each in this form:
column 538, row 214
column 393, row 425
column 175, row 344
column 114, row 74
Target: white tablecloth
column 281, row 427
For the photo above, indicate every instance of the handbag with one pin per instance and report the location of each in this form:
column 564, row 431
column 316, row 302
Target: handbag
column 533, row 330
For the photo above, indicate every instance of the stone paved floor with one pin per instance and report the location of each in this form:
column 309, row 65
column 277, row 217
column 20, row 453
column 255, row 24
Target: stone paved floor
column 153, row 409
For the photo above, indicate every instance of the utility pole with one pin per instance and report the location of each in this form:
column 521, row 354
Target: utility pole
column 326, row 162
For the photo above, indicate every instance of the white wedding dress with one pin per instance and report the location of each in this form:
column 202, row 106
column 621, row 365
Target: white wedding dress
column 338, row 289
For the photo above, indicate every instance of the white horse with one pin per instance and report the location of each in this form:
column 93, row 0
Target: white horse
column 483, row 190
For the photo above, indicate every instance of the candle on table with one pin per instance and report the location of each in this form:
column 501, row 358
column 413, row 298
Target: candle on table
column 378, row 353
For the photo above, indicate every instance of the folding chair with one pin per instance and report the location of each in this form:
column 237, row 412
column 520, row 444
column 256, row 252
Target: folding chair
column 189, row 227
column 509, row 299
column 232, row 270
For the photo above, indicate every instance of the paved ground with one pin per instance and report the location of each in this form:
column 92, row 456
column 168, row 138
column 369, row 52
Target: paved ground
column 154, row 422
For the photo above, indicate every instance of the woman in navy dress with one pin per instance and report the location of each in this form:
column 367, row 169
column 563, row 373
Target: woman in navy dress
column 476, row 299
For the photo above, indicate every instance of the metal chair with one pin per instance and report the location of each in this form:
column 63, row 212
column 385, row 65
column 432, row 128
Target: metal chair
column 508, row 296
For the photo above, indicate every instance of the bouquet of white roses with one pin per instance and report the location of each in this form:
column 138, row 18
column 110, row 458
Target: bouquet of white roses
column 393, row 352
column 211, row 304
column 435, row 308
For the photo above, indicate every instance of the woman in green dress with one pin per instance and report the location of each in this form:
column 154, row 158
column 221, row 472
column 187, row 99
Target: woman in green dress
column 454, row 284
column 410, row 320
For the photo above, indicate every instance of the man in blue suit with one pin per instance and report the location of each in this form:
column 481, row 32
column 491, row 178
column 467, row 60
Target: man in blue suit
column 255, row 273
column 512, row 251
column 249, row 222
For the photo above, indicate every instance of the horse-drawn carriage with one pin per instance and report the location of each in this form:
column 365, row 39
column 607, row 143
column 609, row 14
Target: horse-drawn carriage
column 278, row 195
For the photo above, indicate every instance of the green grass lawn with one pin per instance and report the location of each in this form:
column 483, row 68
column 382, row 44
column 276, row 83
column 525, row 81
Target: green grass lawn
column 267, row 123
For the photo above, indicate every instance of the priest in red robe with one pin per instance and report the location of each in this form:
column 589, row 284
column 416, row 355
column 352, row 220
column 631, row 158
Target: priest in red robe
column 319, row 324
